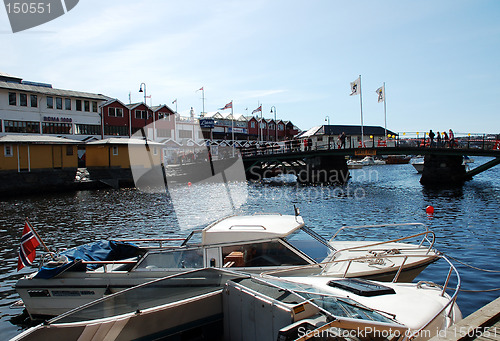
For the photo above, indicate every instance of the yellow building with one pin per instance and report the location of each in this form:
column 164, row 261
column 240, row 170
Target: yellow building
column 37, row 164
column 112, row 160
column 27, row 153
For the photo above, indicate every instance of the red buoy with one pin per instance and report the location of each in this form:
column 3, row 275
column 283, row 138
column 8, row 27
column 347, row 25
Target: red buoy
column 429, row 210
column 189, row 183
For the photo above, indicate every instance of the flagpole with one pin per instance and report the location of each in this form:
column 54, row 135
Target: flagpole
column 232, row 124
column 385, row 114
column 37, row 235
column 361, row 108
column 203, row 99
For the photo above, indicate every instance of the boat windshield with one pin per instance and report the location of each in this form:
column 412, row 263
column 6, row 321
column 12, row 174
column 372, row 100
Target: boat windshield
column 337, row 306
column 310, row 243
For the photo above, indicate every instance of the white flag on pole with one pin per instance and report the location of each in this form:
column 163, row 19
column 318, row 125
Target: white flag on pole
column 355, row 88
column 381, row 94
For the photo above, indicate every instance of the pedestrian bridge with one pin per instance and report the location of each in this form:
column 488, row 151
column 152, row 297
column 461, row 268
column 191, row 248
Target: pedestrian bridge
column 442, row 164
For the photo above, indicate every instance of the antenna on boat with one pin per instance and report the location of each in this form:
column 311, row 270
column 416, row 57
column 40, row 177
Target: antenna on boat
column 296, row 210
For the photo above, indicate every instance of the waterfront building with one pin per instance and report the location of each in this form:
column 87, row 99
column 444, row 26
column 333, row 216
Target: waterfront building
column 38, row 108
column 328, row 135
column 35, row 163
column 111, row 160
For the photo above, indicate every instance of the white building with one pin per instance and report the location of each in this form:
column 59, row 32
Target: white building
column 37, row 108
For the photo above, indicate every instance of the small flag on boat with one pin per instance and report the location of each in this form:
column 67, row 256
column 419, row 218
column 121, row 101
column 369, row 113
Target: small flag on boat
column 355, row 90
column 175, row 101
column 381, row 94
column 200, row 89
column 257, row 110
column 227, row 106
column 29, row 242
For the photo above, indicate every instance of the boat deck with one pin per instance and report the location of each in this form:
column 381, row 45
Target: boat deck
column 482, row 325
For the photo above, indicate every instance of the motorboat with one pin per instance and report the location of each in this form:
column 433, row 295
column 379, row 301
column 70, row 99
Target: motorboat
column 418, row 163
column 366, row 161
column 250, row 244
column 228, row 305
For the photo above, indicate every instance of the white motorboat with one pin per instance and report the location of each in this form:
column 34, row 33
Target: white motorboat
column 251, row 244
column 232, row 306
column 418, row 163
column 366, row 161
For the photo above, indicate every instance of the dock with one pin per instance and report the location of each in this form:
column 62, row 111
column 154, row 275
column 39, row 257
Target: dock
column 482, row 325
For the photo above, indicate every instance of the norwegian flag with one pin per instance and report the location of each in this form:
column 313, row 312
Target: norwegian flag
column 227, row 106
column 257, row 110
column 29, row 242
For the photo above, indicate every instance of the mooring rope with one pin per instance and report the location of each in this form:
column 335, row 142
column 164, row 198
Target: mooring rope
column 471, row 266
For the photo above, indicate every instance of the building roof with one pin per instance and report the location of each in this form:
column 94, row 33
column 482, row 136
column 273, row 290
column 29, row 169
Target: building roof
column 112, row 100
column 123, row 141
column 347, row 129
column 37, row 139
column 50, row 91
column 6, row 77
column 353, row 130
column 251, row 228
column 135, row 105
column 308, row 133
column 158, row 107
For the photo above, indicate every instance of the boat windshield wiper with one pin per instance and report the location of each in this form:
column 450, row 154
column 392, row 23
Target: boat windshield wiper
column 318, row 237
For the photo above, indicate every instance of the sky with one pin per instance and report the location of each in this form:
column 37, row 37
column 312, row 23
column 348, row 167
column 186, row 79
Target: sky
column 440, row 60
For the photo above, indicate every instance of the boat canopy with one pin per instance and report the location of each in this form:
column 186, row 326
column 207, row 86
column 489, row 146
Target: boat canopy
column 102, row 250
column 251, row 228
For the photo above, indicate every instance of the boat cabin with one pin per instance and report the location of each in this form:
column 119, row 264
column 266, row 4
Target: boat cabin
column 243, row 242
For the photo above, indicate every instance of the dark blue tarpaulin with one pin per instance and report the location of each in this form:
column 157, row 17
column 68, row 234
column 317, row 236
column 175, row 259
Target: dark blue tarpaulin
column 104, row 250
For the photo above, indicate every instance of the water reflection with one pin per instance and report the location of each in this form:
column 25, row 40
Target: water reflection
column 465, row 221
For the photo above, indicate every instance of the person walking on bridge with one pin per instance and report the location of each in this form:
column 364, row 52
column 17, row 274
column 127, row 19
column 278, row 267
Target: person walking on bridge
column 452, row 138
column 438, row 139
column 431, row 138
column 445, row 138
column 342, row 138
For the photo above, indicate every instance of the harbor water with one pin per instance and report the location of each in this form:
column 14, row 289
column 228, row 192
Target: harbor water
column 465, row 221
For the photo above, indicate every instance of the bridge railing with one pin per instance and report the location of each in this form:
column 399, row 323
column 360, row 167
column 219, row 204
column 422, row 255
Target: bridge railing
column 404, row 140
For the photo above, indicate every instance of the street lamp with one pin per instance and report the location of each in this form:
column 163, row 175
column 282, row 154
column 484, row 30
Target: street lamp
column 146, row 116
column 275, row 123
column 327, row 119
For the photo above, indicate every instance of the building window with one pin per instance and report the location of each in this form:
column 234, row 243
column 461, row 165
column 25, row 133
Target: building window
column 115, row 150
column 50, row 102
column 86, row 105
column 23, row 100
column 7, row 149
column 116, row 130
column 87, row 129
column 164, row 133
column 78, row 105
column 59, row 103
column 56, row 128
column 69, row 150
column 280, row 127
column 12, row 98
column 67, row 103
column 21, row 127
column 115, row 112
column 252, row 124
column 34, row 101
column 185, row 134
column 94, row 106
column 140, row 114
